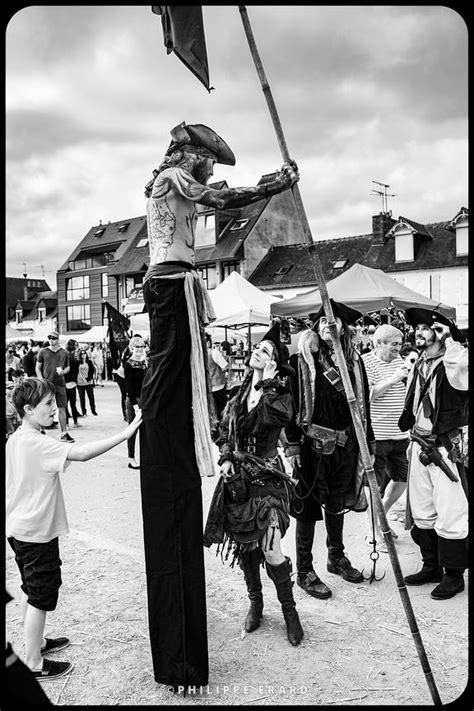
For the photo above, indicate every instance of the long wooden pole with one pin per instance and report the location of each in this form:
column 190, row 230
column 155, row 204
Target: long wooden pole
column 354, row 409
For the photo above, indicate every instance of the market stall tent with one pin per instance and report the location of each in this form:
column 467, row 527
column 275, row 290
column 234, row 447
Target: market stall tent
column 93, row 335
column 239, row 303
column 364, row 289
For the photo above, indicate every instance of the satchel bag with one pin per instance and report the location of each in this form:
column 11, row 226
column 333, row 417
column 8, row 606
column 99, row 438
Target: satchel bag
column 323, row 439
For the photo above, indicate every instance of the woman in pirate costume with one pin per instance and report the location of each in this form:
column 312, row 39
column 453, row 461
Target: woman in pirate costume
column 249, row 512
column 175, row 440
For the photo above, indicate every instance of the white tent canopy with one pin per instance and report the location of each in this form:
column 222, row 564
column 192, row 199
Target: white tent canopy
column 239, row 303
column 93, row 335
column 366, row 290
column 140, row 323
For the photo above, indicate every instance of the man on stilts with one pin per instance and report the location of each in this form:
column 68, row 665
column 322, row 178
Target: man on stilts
column 175, row 439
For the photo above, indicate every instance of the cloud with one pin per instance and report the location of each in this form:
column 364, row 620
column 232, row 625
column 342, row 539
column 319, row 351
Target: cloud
column 363, row 93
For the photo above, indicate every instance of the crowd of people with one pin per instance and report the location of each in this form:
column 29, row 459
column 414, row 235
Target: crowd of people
column 286, row 438
column 291, row 401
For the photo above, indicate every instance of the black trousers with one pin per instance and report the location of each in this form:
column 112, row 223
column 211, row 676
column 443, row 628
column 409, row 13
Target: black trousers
column 89, row 389
column 71, row 394
column 171, row 495
column 123, row 392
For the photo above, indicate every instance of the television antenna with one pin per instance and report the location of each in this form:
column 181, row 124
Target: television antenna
column 383, row 193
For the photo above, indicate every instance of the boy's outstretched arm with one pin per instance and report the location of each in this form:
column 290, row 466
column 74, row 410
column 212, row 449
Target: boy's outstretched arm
column 84, row 452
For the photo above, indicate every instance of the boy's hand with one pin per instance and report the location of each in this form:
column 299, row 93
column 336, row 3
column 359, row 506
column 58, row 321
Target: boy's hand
column 135, row 424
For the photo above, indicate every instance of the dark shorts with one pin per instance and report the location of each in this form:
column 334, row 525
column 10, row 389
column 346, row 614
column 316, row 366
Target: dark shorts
column 40, row 570
column 61, row 397
column 391, row 460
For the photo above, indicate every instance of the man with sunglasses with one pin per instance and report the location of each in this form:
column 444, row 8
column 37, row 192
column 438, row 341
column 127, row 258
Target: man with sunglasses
column 435, row 411
column 52, row 364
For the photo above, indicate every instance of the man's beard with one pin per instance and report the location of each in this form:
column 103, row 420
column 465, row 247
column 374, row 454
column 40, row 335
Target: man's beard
column 201, row 173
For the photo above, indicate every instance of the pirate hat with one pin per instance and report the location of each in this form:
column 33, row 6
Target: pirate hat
column 199, row 135
column 345, row 313
column 281, row 351
column 414, row 316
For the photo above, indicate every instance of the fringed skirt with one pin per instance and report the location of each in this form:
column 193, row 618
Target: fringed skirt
column 238, row 528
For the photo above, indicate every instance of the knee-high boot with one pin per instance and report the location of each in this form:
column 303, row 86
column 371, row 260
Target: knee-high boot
column 281, row 577
column 431, row 572
column 250, row 564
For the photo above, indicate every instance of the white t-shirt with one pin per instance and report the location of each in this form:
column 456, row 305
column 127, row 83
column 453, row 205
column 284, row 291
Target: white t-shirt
column 386, row 409
column 35, row 511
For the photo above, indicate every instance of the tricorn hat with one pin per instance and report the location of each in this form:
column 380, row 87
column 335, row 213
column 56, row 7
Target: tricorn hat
column 199, row 135
column 281, row 351
column 414, row 316
column 345, row 313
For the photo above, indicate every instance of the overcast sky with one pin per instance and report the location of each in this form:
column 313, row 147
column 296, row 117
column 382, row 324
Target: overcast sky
column 364, row 93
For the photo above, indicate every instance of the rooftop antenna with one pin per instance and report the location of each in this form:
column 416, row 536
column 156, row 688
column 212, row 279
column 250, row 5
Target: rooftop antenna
column 24, row 270
column 383, row 193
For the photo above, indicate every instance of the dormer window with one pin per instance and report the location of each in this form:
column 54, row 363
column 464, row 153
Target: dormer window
column 281, row 271
column 99, row 232
column 123, row 227
column 18, row 315
column 461, row 223
column 41, row 314
column 238, row 225
column 404, row 248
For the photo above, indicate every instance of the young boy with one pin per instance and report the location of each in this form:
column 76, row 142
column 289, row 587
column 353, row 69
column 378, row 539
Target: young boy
column 36, row 515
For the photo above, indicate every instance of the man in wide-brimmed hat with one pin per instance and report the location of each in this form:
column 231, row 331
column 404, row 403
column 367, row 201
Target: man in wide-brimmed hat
column 323, row 442
column 435, row 412
column 177, row 405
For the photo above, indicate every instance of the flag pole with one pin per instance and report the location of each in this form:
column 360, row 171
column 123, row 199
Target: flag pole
column 354, row 409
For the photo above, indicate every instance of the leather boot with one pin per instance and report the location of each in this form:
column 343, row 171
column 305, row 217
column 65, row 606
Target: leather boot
column 307, row 578
column 281, row 577
column 451, row 584
column 250, row 564
column 432, row 571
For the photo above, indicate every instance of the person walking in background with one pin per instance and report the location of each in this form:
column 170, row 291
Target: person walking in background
column 217, row 366
column 71, row 381
column 36, row 515
column 97, row 358
column 85, row 383
column 52, row 364
column 410, row 355
column 28, row 362
column 118, row 375
column 387, row 375
column 12, row 362
column 134, row 371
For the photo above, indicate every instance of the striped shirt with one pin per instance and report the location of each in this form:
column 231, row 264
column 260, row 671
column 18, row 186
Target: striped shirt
column 386, row 409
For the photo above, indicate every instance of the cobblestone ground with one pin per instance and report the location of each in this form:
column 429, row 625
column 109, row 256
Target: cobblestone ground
column 357, row 649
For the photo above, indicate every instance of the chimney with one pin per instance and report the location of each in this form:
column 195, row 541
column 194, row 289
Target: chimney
column 381, row 224
column 25, row 285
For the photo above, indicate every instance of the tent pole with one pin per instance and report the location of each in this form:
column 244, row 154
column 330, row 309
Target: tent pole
column 354, row 408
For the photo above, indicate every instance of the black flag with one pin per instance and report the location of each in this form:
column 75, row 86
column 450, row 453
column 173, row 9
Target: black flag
column 118, row 336
column 183, row 34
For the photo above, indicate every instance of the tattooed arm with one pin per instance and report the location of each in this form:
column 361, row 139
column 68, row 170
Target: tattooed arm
column 237, row 197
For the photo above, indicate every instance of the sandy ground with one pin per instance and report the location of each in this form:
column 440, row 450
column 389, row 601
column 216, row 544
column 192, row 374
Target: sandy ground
column 357, row 649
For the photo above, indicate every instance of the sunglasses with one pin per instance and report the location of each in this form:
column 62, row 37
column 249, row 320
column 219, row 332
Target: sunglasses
column 53, row 338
